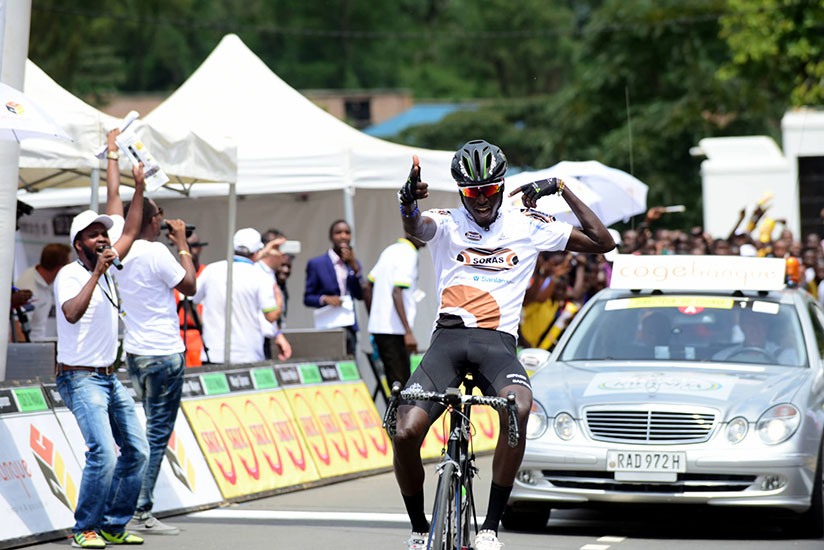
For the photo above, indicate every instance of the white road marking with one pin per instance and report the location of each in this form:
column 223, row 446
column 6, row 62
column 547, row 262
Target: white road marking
column 595, row 547
column 612, row 539
column 285, row 515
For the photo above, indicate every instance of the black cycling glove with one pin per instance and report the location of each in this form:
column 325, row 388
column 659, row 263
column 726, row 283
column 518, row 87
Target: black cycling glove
column 409, row 192
column 541, row 188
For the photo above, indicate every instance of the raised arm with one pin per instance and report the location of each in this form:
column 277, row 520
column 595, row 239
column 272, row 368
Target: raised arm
column 593, row 237
column 114, row 206
column 414, row 189
column 188, row 285
column 131, row 229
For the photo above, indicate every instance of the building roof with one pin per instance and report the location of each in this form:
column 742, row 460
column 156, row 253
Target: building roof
column 421, row 113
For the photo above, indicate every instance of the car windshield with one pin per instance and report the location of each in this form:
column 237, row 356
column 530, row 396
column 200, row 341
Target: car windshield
column 690, row 328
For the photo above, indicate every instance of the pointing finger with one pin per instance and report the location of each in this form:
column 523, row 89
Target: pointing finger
column 516, row 191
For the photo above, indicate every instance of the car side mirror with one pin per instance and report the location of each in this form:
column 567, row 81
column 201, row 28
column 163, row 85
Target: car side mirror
column 533, row 359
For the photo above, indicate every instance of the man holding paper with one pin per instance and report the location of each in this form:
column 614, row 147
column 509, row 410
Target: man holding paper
column 333, row 281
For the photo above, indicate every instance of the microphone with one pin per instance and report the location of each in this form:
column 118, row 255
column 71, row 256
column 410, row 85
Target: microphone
column 116, row 261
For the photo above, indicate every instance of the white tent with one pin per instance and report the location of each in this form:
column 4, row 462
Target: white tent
column 289, row 146
column 186, row 156
column 285, row 142
column 309, row 162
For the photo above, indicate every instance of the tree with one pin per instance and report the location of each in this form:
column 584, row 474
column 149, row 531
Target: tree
column 777, row 45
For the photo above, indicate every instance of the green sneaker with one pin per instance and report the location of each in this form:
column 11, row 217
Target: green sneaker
column 121, row 538
column 87, row 539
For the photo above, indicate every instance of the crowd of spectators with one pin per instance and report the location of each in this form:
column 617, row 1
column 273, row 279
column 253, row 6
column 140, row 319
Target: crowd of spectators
column 563, row 281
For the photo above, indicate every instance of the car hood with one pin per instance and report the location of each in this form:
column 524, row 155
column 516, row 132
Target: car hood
column 733, row 390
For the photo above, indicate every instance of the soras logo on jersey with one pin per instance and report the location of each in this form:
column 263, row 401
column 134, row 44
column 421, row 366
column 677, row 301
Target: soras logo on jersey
column 499, row 259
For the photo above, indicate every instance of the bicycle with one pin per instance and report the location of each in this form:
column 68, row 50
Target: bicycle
column 454, row 499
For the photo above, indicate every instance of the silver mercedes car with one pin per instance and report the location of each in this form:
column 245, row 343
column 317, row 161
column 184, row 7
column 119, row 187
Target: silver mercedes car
column 678, row 395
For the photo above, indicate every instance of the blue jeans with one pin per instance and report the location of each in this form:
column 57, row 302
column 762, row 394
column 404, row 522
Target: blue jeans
column 158, row 381
column 105, row 413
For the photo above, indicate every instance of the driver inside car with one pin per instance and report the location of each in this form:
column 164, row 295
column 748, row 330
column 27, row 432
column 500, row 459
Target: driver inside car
column 761, row 343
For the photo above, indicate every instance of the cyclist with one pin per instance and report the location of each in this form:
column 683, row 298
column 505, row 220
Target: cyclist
column 484, row 256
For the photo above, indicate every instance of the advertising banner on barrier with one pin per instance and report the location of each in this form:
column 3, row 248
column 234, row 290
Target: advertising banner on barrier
column 249, row 438
column 341, row 428
column 362, row 424
column 184, row 481
column 484, row 437
column 39, row 476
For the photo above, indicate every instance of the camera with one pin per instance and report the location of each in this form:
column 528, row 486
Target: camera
column 189, row 228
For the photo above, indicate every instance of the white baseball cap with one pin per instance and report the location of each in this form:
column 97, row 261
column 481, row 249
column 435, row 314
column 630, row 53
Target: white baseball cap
column 247, row 240
column 85, row 219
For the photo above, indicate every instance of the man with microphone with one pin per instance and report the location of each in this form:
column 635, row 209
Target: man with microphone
column 87, row 305
column 154, row 348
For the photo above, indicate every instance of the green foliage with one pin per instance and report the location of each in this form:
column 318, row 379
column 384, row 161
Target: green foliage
column 632, row 83
column 777, row 44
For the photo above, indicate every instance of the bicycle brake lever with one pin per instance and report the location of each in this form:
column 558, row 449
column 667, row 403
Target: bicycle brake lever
column 390, row 418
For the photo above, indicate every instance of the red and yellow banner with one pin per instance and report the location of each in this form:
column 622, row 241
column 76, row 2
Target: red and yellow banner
column 250, row 442
column 341, row 428
column 485, row 424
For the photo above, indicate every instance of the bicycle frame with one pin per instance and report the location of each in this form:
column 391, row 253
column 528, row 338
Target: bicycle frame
column 454, row 498
column 459, row 452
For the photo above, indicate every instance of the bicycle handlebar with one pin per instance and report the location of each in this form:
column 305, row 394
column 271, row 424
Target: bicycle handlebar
column 453, row 397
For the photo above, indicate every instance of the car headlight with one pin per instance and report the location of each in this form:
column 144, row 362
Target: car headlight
column 737, row 429
column 564, row 426
column 538, row 421
column 778, row 424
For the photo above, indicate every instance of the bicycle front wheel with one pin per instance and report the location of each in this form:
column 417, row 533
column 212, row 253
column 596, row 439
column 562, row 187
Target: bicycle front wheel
column 443, row 533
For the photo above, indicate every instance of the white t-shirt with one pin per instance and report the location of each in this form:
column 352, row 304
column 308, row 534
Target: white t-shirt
column 150, row 273
column 252, row 294
column 42, row 300
column 91, row 341
column 396, row 267
column 483, row 274
column 269, row 329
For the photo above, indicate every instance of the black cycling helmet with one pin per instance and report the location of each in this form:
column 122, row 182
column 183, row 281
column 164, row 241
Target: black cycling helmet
column 478, row 163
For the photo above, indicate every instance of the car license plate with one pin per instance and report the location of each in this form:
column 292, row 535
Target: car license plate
column 646, row 461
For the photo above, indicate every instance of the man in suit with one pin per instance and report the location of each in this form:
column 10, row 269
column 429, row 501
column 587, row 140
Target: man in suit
column 332, row 276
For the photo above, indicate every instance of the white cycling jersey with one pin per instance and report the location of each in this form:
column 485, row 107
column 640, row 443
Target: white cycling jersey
column 483, row 274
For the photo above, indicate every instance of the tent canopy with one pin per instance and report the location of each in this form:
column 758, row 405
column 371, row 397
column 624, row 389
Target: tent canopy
column 187, row 156
column 285, row 142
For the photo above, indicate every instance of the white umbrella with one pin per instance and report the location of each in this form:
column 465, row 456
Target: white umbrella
column 20, row 118
column 612, row 194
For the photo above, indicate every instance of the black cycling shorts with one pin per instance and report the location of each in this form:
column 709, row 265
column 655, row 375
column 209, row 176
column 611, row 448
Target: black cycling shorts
column 488, row 354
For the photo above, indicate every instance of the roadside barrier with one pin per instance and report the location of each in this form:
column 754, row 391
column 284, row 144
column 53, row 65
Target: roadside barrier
column 242, row 433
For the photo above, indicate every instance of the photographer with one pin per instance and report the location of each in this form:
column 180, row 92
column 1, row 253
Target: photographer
column 154, row 348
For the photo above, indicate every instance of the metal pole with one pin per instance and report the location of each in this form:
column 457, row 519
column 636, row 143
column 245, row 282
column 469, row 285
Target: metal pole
column 230, row 260
column 349, row 198
column 14, row 39
column 94, row 200
column 349, row 211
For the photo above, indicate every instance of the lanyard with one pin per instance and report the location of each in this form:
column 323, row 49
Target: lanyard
column 113, row 296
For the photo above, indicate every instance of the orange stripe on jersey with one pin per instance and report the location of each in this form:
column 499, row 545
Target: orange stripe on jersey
column 474, row 301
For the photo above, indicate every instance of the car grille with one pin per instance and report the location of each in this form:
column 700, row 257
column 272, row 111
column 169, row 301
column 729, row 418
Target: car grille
column 650, row 426
column 686, row 483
